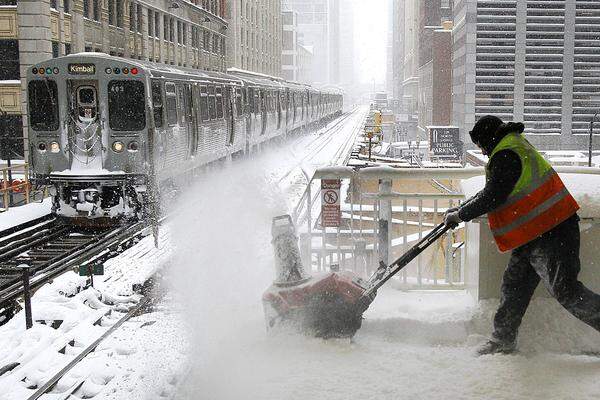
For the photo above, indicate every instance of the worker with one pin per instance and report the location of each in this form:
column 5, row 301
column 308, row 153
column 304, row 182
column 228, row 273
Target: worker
column 531, row 213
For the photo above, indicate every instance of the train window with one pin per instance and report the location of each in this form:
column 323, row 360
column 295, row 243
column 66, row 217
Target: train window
column 157, row 104
column 238, row 102
column 219, row 102
column 171, row 104
column 204, row 103
column 212, row 102
column 126, row 105
column 43, row 105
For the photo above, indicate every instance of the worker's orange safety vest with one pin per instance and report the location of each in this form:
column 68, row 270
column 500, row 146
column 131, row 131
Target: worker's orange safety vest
column 539, row 202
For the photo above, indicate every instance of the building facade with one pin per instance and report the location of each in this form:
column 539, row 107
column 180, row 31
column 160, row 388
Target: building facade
column 531, row 62
column 296, row 60
column 422, row 69
column 255, row 38
column 314, row 33
column 175, row 32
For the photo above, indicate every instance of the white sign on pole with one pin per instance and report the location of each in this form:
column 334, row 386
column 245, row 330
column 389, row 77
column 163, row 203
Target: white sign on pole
column 330, row 203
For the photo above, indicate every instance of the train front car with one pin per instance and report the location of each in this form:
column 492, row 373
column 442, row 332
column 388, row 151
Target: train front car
column 88, row 135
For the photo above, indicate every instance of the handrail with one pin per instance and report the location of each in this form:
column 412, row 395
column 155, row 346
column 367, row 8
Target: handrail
column 8, row 186
column 426, row 173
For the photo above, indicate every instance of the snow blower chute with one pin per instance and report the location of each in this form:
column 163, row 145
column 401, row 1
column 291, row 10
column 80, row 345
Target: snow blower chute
column 328, row 304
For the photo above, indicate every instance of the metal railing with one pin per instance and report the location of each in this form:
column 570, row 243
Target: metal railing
column 15, row 187
column 380, row 222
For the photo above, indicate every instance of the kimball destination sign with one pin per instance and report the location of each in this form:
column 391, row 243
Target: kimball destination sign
column 444, row 142
column 82, row 69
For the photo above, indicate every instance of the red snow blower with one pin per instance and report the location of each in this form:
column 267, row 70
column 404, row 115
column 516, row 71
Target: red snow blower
column 329, row 304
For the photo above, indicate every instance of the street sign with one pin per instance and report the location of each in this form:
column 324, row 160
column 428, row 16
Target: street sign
column 444, row 141
column 98, row 269
column 330, row 203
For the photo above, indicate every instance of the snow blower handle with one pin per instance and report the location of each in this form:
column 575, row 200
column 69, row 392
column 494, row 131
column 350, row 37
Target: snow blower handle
column 385, row 272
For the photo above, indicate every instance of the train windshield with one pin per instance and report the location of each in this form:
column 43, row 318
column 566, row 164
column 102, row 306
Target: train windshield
column 43, row 105
column 126, row 105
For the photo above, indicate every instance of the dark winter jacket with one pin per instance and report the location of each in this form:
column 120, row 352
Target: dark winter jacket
column 504, row 172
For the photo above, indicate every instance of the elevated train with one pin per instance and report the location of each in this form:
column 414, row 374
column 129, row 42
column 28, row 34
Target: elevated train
column 107, row 133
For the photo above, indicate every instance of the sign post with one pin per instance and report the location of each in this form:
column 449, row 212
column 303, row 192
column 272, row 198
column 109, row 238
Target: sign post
column 444, row 142
column 330, row 203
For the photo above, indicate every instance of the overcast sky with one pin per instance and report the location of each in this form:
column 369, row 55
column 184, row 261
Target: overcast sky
column 370, row 36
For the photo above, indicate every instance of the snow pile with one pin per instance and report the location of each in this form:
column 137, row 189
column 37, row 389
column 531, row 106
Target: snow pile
column 67, row 318
column 18, row 215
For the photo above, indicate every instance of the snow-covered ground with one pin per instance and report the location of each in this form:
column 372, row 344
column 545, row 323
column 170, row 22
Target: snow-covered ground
column 18, row 215
column 207, row 340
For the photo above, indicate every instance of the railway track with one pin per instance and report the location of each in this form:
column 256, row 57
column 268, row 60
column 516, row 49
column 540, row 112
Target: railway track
column 50, row 248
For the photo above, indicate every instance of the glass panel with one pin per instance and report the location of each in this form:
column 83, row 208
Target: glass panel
column 43, row 105
column 126, row 105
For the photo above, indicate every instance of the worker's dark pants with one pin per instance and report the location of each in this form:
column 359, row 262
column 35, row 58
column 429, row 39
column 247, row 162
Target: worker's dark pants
column 552, row 258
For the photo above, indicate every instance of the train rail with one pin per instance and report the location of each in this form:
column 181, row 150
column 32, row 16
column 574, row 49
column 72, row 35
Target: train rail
column 50, row 249
column 50, row 384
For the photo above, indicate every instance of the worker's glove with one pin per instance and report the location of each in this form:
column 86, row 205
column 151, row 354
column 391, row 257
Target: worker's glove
column 452, row 219
column 451, row 210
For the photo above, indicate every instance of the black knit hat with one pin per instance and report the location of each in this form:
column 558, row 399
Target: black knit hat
column 485, row 128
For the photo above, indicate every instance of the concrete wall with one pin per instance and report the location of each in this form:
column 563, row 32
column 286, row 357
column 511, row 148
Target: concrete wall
column 485, row 264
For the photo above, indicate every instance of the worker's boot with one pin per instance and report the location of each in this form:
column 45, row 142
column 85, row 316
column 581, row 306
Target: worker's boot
column 494, row 347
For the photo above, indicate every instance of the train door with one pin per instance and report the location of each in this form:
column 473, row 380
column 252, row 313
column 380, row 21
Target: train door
column 228, row 96
column 278, row 108
column 263, row 111
column 85, row 138
column 191, row 118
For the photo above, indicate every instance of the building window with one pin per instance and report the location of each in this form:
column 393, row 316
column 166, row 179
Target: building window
column 9, row 54
column 179, row 35
column 67, row 6
column 96, row 4
column 11, row 127
column 184, row 34
column 131, row 16
column 67, row 49
column 166, row 28
column 55, row 49
column 88, row 49
column 140, row 15
column 53, row 4
column 98, row 50
column 172, row 30
column 119, row 4
column 150, row 23
column 111, row 12
column 86, row 8
column 157, row 25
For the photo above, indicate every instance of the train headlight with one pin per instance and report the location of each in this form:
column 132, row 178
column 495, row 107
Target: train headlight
column 54, row 147
column 133, row 146
column 118, row 147
column 42, row 147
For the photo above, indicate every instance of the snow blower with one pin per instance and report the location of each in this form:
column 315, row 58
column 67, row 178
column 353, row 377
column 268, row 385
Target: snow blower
column 329, row 304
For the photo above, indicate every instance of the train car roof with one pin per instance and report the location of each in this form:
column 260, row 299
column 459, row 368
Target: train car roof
column 234, row 75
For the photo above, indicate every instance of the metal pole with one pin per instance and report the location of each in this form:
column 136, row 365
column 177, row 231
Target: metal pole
column 27, row 296
column 384, row 223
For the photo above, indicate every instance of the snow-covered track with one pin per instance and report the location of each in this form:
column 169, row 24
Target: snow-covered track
column 49, row 385
column 62, row 254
